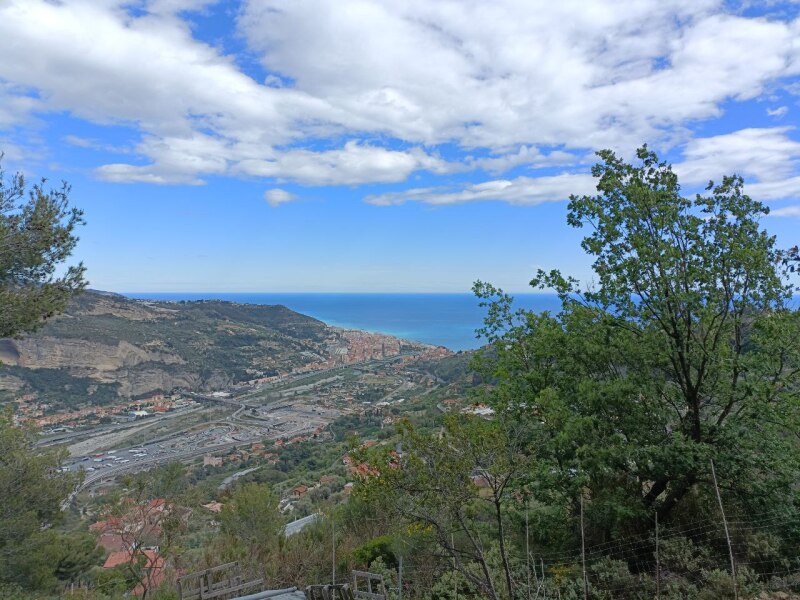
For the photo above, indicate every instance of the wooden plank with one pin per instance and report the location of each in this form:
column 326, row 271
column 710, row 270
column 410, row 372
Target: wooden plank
column 230, row 590
column 368, row 595
column 215, row 583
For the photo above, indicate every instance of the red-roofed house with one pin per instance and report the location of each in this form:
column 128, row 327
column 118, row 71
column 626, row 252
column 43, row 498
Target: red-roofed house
column 152, row 565
column 299, row 492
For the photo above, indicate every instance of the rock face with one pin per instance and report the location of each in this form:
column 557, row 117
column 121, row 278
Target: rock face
column 106, row 347
column 143, row 347
column 47, row 352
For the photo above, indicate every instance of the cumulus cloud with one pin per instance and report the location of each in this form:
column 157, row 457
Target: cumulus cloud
column 277, row 196
column 767, row 157
column 521, row 190
column 355, row 93
column 504, row 74
column 352, row 164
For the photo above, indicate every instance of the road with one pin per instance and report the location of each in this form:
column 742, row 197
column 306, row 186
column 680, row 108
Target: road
column 61, row 438
column 300, row 524
column 281, row 420
column 183, row 446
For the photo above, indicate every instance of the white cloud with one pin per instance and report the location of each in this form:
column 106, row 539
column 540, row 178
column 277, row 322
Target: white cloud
column 503, row 74
column 353, row 164
column 277, row 196
column 787, row 211
column 767, row 157
column 527, row 156
column 94, row 144
column 780, row 189
column 778, row 112
column 380, row 84
column 177, row 6
column 16, row 105
column 123, row 173
column 521, row 190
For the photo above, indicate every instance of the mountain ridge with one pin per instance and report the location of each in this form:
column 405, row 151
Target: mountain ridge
column 126, row 348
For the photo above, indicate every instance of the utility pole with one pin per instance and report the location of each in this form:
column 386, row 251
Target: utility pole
column 727, row 534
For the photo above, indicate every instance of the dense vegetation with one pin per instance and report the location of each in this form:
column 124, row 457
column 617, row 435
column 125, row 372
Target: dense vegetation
column 674, row 376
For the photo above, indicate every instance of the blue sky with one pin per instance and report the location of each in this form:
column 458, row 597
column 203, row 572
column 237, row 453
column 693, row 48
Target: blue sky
column 271, row 145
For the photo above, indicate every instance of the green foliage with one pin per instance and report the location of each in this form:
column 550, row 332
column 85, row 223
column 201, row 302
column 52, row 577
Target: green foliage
column 60, row 388
column 682, row 555
column 10, row 591
column 683, row 352
column 32, row 554
column 250, row 519
column 37, row 235
column 455, row 487
column 379, row 547
column 609, row 413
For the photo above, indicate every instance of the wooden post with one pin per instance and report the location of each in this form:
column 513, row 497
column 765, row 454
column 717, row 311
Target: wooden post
column 583, row 555
column 727, row 534
column 544, row 578
column 333, row 551
column 400, row 577
column 455, row 572
column 658, row 565
column 527, row 551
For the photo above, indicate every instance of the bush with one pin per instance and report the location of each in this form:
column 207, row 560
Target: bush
column 379, row 547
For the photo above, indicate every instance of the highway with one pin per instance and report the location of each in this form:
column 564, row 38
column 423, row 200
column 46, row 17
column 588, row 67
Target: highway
column 133, row 464
column 61, row 438
column 282, row 419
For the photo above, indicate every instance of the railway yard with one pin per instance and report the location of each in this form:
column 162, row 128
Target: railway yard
column 299, row 408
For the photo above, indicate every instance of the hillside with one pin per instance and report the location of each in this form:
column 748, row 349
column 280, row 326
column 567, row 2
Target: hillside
column 106, row 347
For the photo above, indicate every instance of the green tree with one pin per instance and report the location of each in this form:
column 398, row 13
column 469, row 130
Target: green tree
column 32, row 554
column 682, row 351
column 458, row 487
column 37, row 236
column 250, row 519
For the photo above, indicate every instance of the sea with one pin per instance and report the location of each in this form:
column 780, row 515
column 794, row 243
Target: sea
column 448, row 320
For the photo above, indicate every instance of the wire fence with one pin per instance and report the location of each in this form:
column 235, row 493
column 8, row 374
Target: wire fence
column 644, row 566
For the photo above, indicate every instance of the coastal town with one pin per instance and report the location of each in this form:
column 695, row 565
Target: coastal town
column 351, row 348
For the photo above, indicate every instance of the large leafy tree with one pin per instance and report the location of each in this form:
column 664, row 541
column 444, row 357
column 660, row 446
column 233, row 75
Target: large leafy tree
column 37, row 236
column 682, row 350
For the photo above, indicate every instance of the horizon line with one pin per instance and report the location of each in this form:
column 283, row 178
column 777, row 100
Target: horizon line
column 343, row 293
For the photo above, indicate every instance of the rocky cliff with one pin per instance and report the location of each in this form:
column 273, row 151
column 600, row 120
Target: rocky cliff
column 106, row 346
